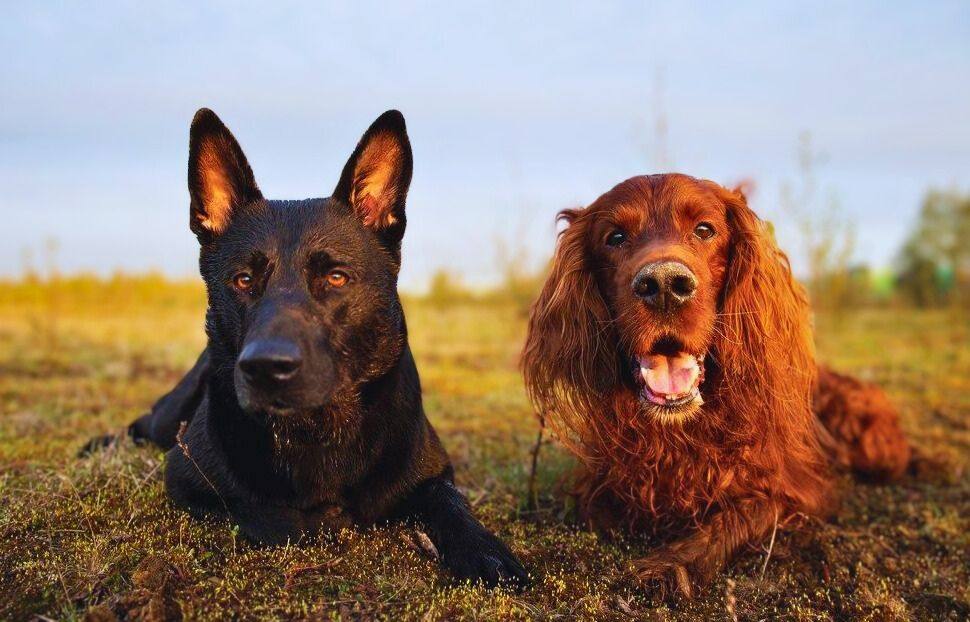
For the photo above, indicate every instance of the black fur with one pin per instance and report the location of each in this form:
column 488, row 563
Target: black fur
column 342, row 440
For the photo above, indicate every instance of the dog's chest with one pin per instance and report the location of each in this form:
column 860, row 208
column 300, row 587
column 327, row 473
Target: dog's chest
column 314, row 475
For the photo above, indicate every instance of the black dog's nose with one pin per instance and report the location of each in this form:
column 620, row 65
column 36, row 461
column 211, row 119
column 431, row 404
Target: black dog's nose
column 665, row 285
column 270, row 360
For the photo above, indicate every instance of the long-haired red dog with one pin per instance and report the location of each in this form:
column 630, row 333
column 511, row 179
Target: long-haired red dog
column 671, row 350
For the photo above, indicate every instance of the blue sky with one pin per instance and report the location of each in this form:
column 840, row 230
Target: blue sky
column 514, row 113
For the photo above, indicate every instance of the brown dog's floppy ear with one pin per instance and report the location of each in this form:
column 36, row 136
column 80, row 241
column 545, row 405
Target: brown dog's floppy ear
column 765, row 329
column 570, row 357
column 220, row 180
column 376, row 178
column 765, row 340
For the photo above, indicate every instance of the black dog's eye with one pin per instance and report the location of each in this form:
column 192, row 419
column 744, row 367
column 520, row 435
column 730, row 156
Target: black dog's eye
column 616, row 238
column 704, row 231
column 337, row 278
column 243, row 281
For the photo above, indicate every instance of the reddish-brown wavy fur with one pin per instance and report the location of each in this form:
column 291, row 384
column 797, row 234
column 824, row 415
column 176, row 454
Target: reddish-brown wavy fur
column 864, row 424
column 755, row 455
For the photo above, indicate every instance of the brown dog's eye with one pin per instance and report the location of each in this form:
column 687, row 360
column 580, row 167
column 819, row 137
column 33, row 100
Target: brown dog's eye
column 704, row 231
column 243, row 281
column 616, row 238
column 337, row 278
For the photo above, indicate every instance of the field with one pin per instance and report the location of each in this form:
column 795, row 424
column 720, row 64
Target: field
column 96, row 538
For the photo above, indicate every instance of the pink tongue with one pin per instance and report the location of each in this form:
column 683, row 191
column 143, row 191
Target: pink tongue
column 669, row 375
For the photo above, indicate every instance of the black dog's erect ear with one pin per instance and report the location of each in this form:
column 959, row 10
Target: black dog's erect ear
column 375, row 179
column 220, row 179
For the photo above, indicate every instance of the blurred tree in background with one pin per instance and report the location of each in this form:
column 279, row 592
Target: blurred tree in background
column 933, row 267
column 828, row 235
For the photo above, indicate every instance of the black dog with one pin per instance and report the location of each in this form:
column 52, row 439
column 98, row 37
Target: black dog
column 304, row 412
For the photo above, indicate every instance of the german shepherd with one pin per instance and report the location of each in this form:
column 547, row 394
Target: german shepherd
column 304, row 412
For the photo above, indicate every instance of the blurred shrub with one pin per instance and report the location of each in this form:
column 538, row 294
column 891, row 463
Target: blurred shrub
column 827, row 234
column 518, row 288
column 446, row 289
column 933, row 266
column 518, row 285
column 91, row 293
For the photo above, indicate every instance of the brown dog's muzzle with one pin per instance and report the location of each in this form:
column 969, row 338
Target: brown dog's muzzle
column 664, row 285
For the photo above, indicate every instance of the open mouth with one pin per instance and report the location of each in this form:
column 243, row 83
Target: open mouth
column 669, row 376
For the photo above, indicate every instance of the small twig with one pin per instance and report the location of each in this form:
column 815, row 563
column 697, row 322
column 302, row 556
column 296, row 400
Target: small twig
column 425, row 544
column 80, row 503
column 295, row 571
column 57, row 567
column 624, row 606
column 185, row 451
column 771, row 546
column 135, row 513
column 730, row 600
column 533, row 494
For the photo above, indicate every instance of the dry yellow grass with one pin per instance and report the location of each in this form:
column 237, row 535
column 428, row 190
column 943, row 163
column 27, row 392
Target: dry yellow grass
column 97, row 537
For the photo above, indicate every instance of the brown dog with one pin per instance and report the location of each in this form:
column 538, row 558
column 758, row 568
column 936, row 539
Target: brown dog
column 671, row 350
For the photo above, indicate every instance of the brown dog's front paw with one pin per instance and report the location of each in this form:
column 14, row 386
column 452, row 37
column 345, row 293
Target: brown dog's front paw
column 672, row 573
column 665, row 574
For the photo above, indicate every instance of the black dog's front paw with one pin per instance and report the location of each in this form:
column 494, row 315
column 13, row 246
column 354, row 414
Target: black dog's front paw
column 483, row 558
column 466, row 548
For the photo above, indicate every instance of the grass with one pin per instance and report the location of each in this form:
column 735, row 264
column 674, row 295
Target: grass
column 97, row 538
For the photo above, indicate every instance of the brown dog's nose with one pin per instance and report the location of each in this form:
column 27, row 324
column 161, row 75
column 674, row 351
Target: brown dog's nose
column 269, row 361
column 665, row 285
